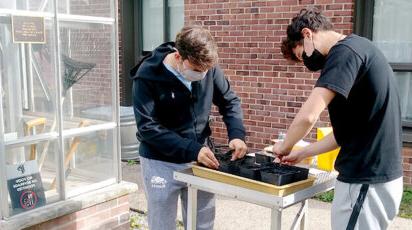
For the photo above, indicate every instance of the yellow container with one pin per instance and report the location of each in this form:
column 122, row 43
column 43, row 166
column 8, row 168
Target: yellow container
column 326, row 161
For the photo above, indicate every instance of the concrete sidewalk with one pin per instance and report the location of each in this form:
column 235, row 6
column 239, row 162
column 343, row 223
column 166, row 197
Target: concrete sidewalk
column 238, row 215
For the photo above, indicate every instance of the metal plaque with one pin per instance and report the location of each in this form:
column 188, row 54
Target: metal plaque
column 28, row 29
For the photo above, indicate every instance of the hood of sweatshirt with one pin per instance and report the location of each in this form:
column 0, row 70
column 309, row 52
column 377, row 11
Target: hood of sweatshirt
column 151, row 66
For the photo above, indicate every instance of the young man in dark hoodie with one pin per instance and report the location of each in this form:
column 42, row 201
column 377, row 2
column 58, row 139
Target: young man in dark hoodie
column 173, row 91
column 357, row 85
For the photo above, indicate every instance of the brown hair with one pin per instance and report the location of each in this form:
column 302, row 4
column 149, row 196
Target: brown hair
column 198, row 46
column 312, row 19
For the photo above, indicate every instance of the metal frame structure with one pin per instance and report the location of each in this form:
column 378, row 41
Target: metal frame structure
column 60, row 134
column 275, row 203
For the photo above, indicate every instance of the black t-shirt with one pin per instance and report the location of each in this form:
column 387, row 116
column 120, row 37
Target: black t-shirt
column 365, row 113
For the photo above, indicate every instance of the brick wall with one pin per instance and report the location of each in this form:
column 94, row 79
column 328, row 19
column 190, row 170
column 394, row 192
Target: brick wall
column 248, row 34
column 113, row 214
column 407, row 165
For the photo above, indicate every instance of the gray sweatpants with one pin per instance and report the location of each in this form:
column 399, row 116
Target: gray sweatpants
column 162, row 193
column 378, row 210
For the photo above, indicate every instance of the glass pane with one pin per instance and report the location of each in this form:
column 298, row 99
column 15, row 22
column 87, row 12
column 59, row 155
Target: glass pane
column 152, row 24
column 97, row 8
column 392, row 32
column 176, row 20
column 87, row 71
column 32, row 5
column 28, row 84
column 31, row 176
column 91, row 160
column 404, row 81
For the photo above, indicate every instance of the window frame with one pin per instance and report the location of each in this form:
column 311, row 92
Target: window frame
column 139, row 34
column 132, row 40
column 363, row 26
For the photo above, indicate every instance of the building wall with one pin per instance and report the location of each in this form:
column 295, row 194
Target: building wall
column 249, row 34
column 272, row 89
column 407, row 165
column 113, row 214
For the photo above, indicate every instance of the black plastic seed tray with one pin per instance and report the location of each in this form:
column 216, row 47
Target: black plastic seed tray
column 262, row 158
column 226, row 165
column 261, row 168
column 232, row 167
column 252, row 171
column 279, row 174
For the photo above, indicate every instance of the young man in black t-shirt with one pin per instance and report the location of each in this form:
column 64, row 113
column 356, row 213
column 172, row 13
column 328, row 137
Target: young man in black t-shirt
column 357, row 86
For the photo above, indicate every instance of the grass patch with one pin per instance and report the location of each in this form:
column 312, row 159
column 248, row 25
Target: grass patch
column 405, row 210
column 325, row 196
column 131, row 162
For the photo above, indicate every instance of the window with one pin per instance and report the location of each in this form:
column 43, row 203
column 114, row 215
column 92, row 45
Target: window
column 159, row 23
column 386, row 23
column 145, row 24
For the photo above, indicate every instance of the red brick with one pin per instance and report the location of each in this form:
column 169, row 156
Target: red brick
column 120, row 209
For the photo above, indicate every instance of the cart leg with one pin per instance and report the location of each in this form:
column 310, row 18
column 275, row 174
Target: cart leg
column 191, row 208
column 304, row 220
column 276, row 219
column 301, row 217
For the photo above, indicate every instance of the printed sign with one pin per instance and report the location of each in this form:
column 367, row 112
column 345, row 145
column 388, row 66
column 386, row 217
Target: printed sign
column 25, row 186
column 28, row 29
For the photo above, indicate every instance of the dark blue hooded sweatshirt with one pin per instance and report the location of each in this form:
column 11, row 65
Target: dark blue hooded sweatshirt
column 172, row 122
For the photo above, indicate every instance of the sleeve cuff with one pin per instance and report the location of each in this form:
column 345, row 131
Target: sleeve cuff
column 236, row 134
column 193, row 151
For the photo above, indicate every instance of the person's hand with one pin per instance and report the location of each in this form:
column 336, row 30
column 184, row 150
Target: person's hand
column 207, row 158
column 294, row 157
column 240, row 148
column 278, row 150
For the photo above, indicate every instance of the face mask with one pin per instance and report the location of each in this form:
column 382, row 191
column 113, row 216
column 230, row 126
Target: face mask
column 314, row 62
column 192, row 75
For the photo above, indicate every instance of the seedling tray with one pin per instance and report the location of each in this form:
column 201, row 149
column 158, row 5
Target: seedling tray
column 263, row 158
column 261, row 168
column 236, row 180
column 232, row 167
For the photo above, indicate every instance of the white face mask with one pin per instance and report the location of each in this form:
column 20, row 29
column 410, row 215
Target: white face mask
column 192, row 75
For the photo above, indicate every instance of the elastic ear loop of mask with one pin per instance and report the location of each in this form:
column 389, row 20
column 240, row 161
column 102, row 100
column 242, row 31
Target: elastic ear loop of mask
column 313, row 44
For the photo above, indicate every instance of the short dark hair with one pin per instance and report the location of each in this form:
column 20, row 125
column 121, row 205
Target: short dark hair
column 311, row 18
column 197, row 45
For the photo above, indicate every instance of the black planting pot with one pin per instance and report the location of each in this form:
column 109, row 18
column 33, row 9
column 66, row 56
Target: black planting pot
column 227, row 165
column 300, row 173
column 278, row 174
column 248, row 160
column 251, row 171
column 263, row 158
column 276, row 177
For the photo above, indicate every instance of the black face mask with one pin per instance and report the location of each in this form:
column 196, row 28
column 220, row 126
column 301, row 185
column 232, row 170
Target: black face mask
column 314, row 62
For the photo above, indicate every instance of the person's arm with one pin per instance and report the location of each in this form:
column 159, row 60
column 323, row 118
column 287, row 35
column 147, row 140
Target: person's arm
column 230, row 108
column 165, row 141
column 305, row 119
column 327, row 144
